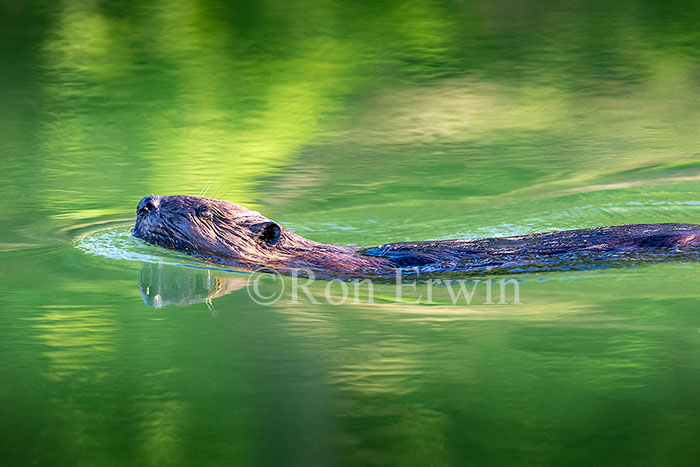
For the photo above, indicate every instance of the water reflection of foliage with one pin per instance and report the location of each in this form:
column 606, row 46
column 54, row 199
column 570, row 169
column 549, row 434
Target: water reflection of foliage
column 176, row 93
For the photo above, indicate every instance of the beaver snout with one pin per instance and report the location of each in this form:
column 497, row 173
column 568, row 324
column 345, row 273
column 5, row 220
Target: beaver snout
column 147, row 205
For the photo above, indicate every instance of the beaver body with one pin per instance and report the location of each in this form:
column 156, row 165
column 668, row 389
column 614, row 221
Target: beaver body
column 225, row 233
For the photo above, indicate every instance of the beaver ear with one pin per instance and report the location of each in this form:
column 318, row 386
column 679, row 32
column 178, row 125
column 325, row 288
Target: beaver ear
column 268, row 233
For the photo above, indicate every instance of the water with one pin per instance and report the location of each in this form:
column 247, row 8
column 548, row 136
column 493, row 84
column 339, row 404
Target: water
column 356, row 124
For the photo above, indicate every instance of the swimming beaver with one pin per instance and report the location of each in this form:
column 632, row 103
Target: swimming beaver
column 225, row 233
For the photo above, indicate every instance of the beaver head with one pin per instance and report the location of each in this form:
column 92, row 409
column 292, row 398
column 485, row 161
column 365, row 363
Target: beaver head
column 212, row 229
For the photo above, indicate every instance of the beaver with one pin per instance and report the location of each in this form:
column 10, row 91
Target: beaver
column 225, row 233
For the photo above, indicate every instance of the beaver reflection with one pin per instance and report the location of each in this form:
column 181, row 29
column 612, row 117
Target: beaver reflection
column 161, row 285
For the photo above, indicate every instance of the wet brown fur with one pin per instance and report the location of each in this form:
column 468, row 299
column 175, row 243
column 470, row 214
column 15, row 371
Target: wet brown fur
column 238, row 236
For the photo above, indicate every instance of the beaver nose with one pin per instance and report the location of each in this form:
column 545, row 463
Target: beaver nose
column 148, row 204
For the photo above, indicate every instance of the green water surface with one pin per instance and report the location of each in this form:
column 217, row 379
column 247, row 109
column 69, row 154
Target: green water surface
column 356, row 123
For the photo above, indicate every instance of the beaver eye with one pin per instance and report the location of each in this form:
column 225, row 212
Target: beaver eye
column 204, row 213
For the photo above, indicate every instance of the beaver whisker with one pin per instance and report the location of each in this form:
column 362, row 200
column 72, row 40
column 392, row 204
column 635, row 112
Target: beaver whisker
column 227, row 191
column 206, row 187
